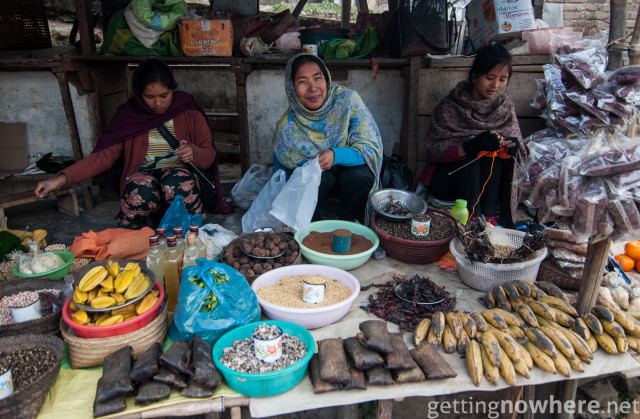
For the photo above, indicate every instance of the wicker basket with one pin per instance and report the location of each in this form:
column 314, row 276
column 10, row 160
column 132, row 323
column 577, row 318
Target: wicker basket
column 91, row 352
column 26, row 402
column 46, row 325
column 413, row 251
column 484, row 276
column 550, row 272
column 24, row 25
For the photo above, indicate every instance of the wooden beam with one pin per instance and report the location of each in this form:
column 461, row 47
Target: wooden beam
column 346, row 14
column 363, row 6
column 409, row 137
column 385, row 409
column 83, row 17
column 243, row 124
column 617, row 25
column 74, row 133
column 634, row 45
column 597, row 256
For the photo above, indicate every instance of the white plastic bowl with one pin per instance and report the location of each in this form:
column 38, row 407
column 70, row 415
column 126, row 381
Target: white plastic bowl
column 310, row 318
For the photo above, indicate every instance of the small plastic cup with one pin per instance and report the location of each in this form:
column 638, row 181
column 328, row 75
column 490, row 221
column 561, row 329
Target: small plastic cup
column 341, row 241
column 421, row 225
column 24, row 314
column 6, row 384
column 313, row 293
column 268, row 350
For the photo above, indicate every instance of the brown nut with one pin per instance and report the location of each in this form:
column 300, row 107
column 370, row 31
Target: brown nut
column 275, row 252
column 267, row 266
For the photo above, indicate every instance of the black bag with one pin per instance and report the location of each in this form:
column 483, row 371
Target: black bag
column 54, row 164
column 395, row 175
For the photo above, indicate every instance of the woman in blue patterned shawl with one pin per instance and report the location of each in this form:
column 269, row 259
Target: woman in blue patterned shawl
column 330, row 121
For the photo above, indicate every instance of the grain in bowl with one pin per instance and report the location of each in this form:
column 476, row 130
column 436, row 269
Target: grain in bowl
column 287, row 291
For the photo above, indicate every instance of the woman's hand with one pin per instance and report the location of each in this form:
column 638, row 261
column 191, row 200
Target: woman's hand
column 184, row 151
column 45, row 187
column 325, row 158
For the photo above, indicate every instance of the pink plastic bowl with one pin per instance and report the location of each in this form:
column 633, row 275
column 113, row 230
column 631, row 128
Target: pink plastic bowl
column 123, row 328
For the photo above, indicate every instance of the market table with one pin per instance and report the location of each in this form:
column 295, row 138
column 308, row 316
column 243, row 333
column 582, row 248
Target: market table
column 60, row 404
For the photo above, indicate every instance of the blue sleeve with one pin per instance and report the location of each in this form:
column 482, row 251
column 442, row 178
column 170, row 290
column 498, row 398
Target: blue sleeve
column 347, row 156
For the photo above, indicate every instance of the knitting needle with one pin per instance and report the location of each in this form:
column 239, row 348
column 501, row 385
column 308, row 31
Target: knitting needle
column 464, row 165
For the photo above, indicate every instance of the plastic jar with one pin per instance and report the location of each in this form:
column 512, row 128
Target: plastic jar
column 460, row 211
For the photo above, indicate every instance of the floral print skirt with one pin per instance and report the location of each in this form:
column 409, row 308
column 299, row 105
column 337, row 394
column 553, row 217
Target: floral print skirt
column 146, row 193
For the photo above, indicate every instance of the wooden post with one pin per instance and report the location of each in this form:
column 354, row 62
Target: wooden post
column 346, row 14
column 70, row 113
column 385, row 409
column 597, row 256
column 83, row 17
column 408, row 139
column 241, row 72
column 363, row 7
column 634, row 45
column 529, row 395
column 617, row 24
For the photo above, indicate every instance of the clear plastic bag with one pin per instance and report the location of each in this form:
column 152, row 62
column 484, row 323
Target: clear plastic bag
column 626, row 75
column 610, row 155
column 247, row 189
column 215, row 239
column 258, row 214
column 585, row 59
column 591, row 207
column 295, row 204
column 569, row 184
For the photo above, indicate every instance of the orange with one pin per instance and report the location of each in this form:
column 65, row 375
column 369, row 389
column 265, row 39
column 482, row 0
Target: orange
column 632, row 249
column 626, row 263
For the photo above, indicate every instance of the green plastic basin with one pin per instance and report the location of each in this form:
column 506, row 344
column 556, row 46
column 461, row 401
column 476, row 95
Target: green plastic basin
column 346, row 262
column 270, row 383
column 57, row 273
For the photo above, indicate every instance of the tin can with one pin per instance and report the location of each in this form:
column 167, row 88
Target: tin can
column 268, row 350
column 310, row 49
column 313, row 293
column 421, row 225
column 341, row 241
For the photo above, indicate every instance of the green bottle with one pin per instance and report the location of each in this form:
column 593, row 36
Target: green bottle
column 460, row 211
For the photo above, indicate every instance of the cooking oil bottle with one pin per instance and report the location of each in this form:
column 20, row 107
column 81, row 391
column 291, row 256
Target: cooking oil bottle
column 191, row 251
column 177, row 231
column 171, row 269
column 154, row 260
column 202, row 249
column 162, row 238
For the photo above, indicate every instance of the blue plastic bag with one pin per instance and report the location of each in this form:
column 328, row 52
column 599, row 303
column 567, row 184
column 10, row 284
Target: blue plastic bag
column 177, row 215
column 213, row 299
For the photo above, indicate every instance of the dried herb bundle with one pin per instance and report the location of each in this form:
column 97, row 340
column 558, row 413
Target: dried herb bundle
column 387, row 305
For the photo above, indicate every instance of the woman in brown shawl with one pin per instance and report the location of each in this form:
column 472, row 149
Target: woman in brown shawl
column 476, row 117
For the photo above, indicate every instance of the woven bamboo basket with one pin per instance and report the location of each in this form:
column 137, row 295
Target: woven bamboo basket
column 26, row 402
column 91, row 352
column 46, row 325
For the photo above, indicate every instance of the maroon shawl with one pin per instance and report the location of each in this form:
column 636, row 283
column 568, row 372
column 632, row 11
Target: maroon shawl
column 458, row 118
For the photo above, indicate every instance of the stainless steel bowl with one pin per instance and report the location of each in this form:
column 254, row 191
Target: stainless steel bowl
column 409, row 200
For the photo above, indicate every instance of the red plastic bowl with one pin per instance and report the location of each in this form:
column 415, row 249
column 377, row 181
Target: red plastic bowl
column 123, row 328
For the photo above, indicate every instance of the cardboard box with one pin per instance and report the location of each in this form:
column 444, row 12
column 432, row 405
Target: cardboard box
column 213, row 37
column 498, row 19
column 13, row 147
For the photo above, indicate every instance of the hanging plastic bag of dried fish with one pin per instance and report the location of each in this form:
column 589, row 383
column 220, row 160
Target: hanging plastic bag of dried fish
column 213, row 299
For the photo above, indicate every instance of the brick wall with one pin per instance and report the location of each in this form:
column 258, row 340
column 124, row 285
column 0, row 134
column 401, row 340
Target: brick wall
column 592, row 16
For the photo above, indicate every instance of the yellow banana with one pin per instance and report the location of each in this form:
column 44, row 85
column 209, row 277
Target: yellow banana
column 528, row 315
column 494, row 319
column 448, row 340
column 562, row 318
column 561, row 343
column 491, row 372
column 542, row 360
column 421, row 332
column 633, row 343
column 593, row 323
column 501, row 298
column 463, row 342
column 593, row 343
column 542, row 310
column 506, row 369
column 526, row 356
column 580, row 346
column 516, row 332
column 541, row 340
column 432, row 337
column 437, row 325
column 520, row 363
column 624, row 320
column 512, row 291
column 508, row 344
column 525, row 288
column 510, row 318
column 613, row 328
column 602, row 313
column 492, row 346
column 576, row 364
column 474, row 362
column 481, row 323
column 559, row 304
column 606, row 342
column 469, row 325
column 454, row 323
column 562, row 365
column 621, row 344
column 581, row 328
column 551, row 289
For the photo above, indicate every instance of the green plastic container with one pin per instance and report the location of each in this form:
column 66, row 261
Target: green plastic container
column 57, row 273
column 320, row 35
column 270, row 383
column 346, row 262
